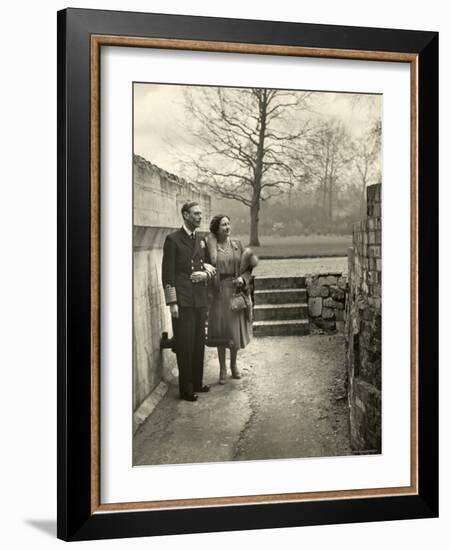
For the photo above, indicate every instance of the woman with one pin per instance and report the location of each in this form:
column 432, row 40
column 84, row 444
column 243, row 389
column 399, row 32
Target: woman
column 231, row 327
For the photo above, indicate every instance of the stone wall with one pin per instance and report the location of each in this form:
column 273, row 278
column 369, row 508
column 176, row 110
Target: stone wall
column 158, row 197
column 363, row 328
column 326, row 299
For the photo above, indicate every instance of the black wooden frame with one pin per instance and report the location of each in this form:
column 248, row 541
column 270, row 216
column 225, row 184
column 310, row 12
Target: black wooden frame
column 75, row 520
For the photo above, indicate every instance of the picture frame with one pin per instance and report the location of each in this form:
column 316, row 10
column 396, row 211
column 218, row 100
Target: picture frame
column 81, row 35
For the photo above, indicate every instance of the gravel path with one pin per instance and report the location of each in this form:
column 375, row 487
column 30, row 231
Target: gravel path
column 298, row 398
column 289, row 403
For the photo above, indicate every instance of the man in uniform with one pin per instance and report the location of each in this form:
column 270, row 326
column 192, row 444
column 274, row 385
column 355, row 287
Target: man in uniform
column 186, row 271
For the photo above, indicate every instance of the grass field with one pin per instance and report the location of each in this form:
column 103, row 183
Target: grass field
column 311, row 246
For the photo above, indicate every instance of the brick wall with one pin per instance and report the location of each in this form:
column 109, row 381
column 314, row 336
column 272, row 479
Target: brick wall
column 363, row 328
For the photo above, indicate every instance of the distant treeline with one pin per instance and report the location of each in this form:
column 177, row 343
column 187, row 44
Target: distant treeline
column 294, row 213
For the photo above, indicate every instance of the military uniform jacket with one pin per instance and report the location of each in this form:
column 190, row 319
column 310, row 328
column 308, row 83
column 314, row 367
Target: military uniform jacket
column 183, row 255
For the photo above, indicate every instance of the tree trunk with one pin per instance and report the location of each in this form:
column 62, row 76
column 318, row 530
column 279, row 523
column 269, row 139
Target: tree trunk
column 256, row 199
column 254, row 220
column 330, row 202
column 362, row 201
column 324, row 200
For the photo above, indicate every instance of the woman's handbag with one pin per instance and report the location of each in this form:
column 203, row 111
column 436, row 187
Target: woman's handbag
column 238, row 298
column 238, row 301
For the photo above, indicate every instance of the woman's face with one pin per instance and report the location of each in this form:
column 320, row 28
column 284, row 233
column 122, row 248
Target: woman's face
column 224, row 227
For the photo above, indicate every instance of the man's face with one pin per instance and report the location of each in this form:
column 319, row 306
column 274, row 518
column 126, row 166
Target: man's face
column 193, row 218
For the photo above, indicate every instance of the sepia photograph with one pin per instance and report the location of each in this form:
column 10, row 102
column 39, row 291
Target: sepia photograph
column 257, row 274
column 232, row 356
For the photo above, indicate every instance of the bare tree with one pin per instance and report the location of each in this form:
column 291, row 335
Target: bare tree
column 326, row 161
column 247, row 139
column 366, row 160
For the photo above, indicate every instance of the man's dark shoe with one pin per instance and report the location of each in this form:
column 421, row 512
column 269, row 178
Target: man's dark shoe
column 203, row 389
column 192, row 397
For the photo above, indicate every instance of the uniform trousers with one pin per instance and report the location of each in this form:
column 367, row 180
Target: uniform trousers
column 189, row 333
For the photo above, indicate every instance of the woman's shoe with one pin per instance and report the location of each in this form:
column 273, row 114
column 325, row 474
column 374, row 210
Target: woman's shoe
column 235, row 374
column 223, row 377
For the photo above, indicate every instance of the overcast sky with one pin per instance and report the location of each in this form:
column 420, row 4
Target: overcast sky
column 160, row 133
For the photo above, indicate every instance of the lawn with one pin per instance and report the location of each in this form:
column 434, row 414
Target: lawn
column 310, row 246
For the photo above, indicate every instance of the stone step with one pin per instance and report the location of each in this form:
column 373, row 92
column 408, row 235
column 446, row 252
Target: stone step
column 292, row 327
column 280, row 312
column 281, row 296
column 267, row 283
